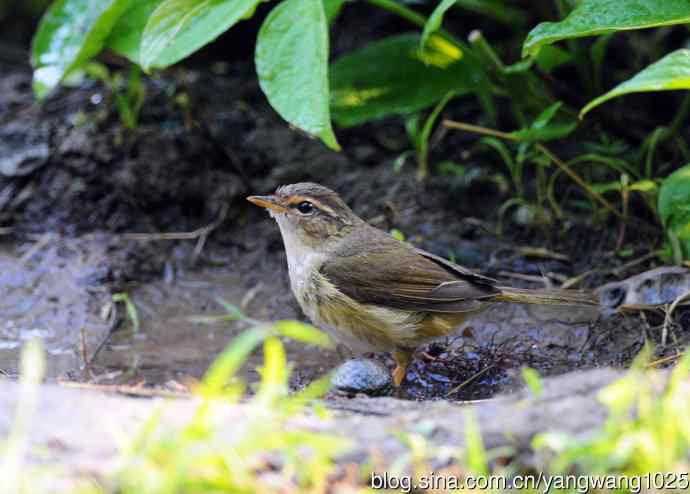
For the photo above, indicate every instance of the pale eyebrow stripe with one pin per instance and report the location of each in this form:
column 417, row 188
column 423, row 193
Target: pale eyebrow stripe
column 294, row 200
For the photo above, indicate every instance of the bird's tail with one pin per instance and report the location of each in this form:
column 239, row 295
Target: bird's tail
column 545, row 296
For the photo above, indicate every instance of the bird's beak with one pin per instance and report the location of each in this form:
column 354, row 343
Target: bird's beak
column 268, row 202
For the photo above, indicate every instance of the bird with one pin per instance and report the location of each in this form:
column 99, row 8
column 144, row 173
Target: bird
column 374, row 293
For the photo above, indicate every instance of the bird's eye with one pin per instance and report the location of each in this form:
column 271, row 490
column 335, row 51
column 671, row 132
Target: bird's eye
column 305, row 207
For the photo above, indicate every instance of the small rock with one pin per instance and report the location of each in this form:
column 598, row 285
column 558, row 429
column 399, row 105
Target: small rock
column 362, row 376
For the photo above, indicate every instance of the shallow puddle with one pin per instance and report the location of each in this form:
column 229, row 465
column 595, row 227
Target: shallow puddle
column 173, row 345
column 45, row 293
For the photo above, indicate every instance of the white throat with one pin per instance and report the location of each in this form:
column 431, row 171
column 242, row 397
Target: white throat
column 302, row 259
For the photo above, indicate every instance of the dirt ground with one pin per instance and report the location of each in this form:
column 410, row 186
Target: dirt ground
column 89, row 209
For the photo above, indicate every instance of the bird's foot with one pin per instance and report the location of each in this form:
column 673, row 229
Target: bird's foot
column 402, row 361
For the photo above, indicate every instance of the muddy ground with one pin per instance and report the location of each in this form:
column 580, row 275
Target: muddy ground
column 89, row 209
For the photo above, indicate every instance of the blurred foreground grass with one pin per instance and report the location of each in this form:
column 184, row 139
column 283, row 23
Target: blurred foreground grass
column 648, row 431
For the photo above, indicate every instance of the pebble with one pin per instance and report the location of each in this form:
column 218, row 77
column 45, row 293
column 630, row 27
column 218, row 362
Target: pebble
column 362, row 376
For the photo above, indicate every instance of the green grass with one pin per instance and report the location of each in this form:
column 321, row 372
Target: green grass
column 240, row 442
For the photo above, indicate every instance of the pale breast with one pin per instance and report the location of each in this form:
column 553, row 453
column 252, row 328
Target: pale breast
column 360, row 327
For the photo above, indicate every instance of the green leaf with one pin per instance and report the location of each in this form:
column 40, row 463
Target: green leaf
column 592, row 17
column 476, row 458
column 533, row 381
column 668, row 74
column 552, row 57
column 392, row 76
column 130, row 308
column 435, row 20
column 274, row 373
column 543, row 130
column 125, row 38
column 231, row 359
column 397, row 234
column 178, row 28
column 332, row 9
column 674, row 206
column 292, row 64
column 70, row 33
column 547, row 115
column 305, row 333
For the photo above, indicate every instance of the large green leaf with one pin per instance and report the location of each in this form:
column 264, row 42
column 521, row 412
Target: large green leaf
column 332, row 9
column 392, row 76
column 670, row 73
column 592, row 17
column 125, row 38
column 674, row 206
column 178, row 28
column 292, row 64
column 70, row 33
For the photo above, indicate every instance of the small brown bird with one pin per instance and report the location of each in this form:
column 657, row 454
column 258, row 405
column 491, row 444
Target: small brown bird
column 371, row 292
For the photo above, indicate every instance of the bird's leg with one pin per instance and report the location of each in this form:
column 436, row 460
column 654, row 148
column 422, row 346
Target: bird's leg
column 402, row 360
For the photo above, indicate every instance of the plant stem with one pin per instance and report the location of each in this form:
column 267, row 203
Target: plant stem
column 415, row 18
column 477, row 129
column 681, row 115
column 423, row 158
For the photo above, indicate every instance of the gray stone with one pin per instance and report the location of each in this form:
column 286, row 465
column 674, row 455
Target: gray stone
column 362, row 376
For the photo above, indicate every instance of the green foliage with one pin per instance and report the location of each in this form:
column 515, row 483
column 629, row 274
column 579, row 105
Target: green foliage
column 406, row 74
column 533, row 381
column 543, row 128
column 593, row 17
column 420, row 136
column 393, row 76
column 236, row 442
column 292, row 52
column 15, row 445
column 435, row 21
column 674, row 208
column 645, row 432
column 70, row 33
column 292, row 64
column 125, row 37
column 670, row 73
column 130, row 309
column 218, row 452
column 178, row 28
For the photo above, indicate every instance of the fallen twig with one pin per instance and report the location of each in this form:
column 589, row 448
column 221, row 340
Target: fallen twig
column 571, row 282
column 542, row 253
column 669, row 312
column 200, row 234
column 664, row 360
column 470, row 379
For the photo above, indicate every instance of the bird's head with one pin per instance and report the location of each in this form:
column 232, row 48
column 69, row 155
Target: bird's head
column 309, row 213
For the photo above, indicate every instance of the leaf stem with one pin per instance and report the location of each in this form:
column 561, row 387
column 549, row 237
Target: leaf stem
column 477, row 129
column 423, row 157
column 415, row 18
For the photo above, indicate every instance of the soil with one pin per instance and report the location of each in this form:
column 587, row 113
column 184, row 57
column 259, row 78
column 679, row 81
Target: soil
column 89, row 209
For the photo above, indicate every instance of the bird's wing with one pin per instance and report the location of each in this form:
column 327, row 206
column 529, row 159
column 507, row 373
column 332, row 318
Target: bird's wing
column 393, row 274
